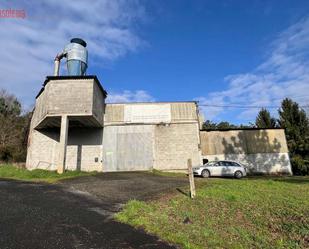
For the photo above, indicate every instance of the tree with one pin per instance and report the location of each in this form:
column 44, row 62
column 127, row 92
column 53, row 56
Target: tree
column 264, row 119
column 14, row 128
column 9, row 105
column 209, row 125
column 296, row 125
column 223, row 125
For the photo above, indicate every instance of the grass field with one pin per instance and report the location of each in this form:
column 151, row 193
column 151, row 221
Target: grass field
column 227, row 213
column 11, row 172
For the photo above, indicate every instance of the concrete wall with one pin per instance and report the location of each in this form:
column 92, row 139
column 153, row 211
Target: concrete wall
column 70, row 97
column 41, row 109
column 42, row 152
column 98, row 105
column 82, row 100
column 263, row 151
column 85, row 149
column 74, row 97
column 165, row 134
column 175, row 144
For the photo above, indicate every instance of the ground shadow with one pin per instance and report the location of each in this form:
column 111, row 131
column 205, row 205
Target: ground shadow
column 294, row 179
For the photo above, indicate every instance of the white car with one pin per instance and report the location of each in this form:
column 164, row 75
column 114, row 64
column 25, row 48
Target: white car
column 220, row 168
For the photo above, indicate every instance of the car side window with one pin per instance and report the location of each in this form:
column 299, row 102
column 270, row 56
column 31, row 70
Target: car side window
column 217, row 164
column 235, row 164
column 227, row 164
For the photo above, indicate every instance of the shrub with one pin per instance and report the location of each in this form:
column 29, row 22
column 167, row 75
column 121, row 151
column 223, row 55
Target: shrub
column 12, row 154
column 300, row 166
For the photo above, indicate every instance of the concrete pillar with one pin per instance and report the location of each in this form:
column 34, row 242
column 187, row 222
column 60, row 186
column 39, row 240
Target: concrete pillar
column 64, row 128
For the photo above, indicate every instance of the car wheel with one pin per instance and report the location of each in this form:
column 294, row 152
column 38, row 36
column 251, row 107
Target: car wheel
column 238, row 174
column 205, row 173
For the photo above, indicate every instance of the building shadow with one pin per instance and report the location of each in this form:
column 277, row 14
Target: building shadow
column 256, row 150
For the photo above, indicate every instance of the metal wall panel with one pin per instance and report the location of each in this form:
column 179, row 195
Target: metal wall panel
column 128, row 148
column 184, row 111
column 114, row 113
column 147, row 113
column 150, row 112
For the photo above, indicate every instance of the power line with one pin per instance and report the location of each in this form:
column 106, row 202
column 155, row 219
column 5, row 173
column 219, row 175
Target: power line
column 246, row 107
column 290, row 97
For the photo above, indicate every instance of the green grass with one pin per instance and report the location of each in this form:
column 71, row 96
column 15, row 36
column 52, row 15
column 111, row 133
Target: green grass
column 248, row 213
column 12, row 172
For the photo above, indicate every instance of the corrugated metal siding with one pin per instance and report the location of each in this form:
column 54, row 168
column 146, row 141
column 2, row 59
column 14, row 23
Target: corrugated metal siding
column 128, row 148
column 243, row 141
column 150, row 112
column 114, row 113
column 183, row 111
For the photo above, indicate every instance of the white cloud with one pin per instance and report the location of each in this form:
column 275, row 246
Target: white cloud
column 28, row 46
column 129, row 96
column 284, row 73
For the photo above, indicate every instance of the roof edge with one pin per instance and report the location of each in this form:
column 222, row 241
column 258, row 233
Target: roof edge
column 152, row 102
column 72, row 77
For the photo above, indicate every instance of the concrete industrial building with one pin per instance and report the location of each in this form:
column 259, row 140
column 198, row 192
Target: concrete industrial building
column 72, row 128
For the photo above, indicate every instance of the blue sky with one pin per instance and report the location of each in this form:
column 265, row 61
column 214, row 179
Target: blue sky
column 223, row 53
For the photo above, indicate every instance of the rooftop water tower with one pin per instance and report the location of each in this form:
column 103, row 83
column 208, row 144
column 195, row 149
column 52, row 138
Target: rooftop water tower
column 77, row 58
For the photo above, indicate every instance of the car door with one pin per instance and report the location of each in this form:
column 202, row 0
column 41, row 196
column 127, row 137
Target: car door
column 225, row 168
column 217, row 169
column 236, row 167
column 229, row 168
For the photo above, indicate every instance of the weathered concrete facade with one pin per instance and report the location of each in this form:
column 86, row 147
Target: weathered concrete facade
column 73, row 129
column 262, row 150
column 143, row 136
column 66, row 129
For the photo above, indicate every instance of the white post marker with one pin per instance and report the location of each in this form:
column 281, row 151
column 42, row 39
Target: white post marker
column 191, row 179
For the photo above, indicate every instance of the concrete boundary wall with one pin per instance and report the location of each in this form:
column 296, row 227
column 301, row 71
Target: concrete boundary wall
column 262, row 150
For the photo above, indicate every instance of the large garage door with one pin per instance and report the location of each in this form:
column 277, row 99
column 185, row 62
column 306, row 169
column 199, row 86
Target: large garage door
column 128, row 148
